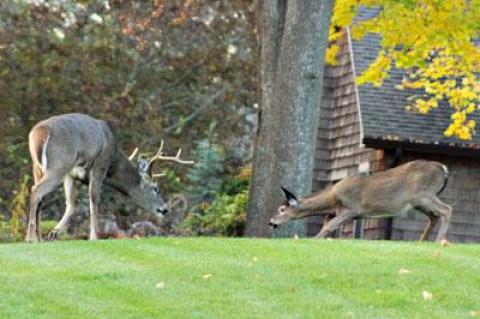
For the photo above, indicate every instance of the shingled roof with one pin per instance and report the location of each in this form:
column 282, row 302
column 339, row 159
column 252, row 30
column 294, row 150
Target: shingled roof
column 383, row 109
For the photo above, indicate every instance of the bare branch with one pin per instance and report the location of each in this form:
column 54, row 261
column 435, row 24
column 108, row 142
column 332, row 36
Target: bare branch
column 197, row 111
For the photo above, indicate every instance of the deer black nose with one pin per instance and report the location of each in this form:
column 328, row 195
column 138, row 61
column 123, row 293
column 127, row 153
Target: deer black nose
column 162, row 211
column 273, row 225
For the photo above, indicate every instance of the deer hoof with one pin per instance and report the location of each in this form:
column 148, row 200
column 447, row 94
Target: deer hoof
column 445, row 243
column 53, row 235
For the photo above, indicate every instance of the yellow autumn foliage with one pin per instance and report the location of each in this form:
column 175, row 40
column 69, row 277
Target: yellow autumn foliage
column 433, row 39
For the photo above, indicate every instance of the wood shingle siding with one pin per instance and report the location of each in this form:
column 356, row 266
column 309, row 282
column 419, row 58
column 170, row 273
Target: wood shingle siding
column 339, row 150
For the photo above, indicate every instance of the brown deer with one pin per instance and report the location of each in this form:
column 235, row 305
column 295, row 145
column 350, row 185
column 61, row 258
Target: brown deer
column 392, row 192
column 76, row 146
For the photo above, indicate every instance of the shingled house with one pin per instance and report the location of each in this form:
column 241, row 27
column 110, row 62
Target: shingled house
column 365, row 129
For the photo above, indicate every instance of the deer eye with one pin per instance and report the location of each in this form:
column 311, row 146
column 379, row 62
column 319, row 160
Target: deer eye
column 283, row 210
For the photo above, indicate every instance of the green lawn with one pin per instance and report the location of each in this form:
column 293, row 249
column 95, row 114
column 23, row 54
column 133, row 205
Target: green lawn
column 239, row 278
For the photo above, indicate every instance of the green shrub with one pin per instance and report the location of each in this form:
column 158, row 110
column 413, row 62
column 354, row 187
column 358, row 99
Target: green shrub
column 4, row 230
column 19, row 208
column 239, row 183
column 225, row 216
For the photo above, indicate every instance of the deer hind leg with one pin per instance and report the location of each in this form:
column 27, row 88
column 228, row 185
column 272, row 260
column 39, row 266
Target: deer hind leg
column 94, row 189
column 68, row 185
column 440, row 210
column 37, row 176
column 45, row 185
column 431, row 223
column 333, row 224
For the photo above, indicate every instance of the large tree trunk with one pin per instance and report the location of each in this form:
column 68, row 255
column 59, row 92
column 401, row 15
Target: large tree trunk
column 292, row 38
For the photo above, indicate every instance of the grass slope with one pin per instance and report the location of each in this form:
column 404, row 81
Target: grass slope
column 238, row 278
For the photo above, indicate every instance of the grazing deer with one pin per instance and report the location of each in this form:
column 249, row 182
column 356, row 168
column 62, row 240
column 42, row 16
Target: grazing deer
column 389, row 193
column 78, row 147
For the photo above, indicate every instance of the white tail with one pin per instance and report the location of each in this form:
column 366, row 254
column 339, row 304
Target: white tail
column 72, row 147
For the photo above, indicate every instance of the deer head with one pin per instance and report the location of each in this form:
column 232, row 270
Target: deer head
column 287, row 211
column 147, row 194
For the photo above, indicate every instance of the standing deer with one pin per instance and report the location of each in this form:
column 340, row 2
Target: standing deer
column 79, row 147
column 389, row 193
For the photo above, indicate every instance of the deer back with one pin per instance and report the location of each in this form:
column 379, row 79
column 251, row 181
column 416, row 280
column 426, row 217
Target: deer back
column 64, row 142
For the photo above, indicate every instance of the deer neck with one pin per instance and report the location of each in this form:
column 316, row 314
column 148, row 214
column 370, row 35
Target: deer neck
column 314, row 204
column 122, row 175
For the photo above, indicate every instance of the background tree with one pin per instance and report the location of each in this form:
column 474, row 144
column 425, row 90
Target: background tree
column 292, row 43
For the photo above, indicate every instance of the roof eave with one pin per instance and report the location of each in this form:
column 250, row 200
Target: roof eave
column 424, row 147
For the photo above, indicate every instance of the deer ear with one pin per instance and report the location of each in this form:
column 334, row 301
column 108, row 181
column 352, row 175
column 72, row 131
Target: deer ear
column 291, row 198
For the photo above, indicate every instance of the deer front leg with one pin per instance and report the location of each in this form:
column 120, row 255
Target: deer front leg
column 333, row 224
column 68, row 185
column 94, row 189
column 326, row 219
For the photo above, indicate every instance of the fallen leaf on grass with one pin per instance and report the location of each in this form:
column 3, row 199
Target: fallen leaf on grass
column 427, row 296
column 403, row 271
column 436, row 255
column 474, row 313
column 206, row 276
column 160, row 285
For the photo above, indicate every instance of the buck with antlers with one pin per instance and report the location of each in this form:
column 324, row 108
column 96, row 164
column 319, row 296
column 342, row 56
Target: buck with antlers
column 76, row 146
column 389, row 193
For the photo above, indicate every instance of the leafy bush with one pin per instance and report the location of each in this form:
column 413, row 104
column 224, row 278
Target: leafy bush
column 225, row 215
column 19, row 209
column 4, row 230
column 239, row 183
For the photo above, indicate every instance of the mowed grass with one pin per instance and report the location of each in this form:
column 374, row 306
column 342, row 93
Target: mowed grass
column 239, row 278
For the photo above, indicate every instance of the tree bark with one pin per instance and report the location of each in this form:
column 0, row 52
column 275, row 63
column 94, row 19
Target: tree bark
column 292, row 42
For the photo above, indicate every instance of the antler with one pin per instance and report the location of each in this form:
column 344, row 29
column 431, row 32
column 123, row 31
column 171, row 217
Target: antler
column 159, row 157
column 134, row 153
column 158, row 175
